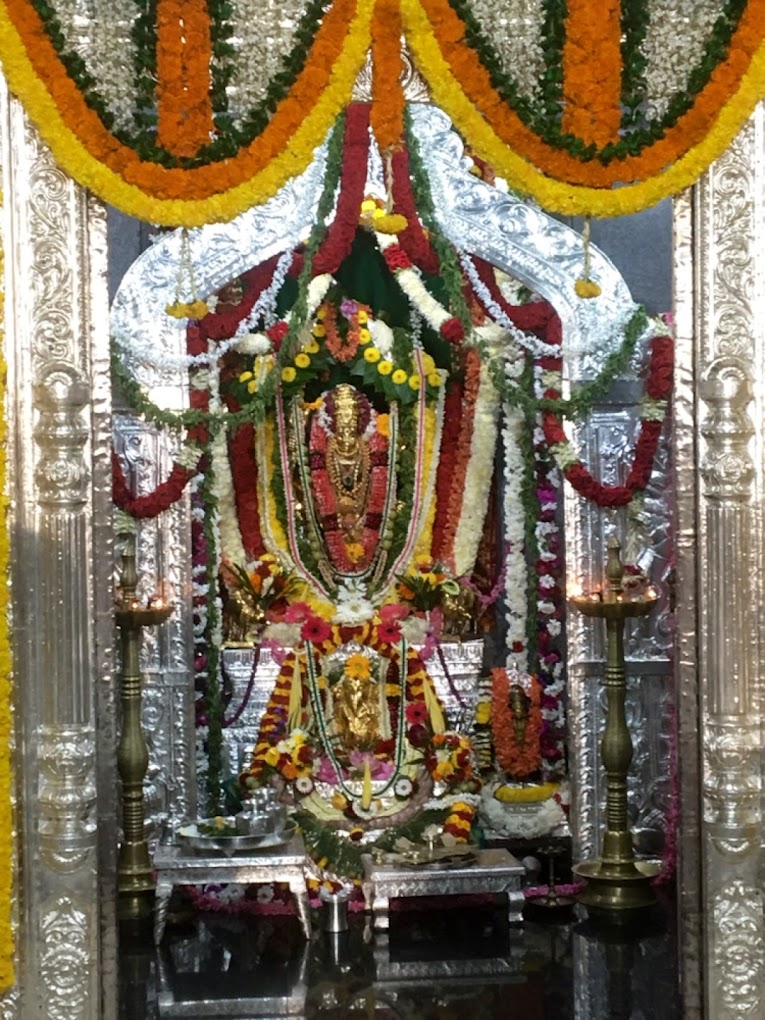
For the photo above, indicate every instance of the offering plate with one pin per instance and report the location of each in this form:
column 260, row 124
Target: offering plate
column 229, row 841
column 435, row 859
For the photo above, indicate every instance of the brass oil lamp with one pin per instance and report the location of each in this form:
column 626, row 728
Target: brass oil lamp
column 134, row 873
column 618, row 885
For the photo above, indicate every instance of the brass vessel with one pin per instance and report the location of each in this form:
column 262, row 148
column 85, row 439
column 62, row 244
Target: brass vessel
column 618, row 885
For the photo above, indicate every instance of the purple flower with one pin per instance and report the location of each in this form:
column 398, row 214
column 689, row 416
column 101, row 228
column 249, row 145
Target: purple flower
column 348, row 307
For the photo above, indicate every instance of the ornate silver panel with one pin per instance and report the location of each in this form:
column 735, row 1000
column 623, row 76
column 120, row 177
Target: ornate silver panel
column 606, row 441
column 59, row 479
column 721, row 526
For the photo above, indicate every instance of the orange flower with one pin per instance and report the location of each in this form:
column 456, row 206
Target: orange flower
column 387, row 115
column 184, row 50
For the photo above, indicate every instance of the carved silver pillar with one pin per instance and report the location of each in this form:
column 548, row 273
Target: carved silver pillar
column 59, row 399
column 720, row 557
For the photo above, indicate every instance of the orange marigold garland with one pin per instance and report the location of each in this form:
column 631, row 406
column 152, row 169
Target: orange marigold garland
column 517, row 747
column 592, row 88
column 184, row 49
column 387, row 94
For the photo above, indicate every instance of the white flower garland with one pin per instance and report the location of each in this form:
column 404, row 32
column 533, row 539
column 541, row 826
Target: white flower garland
column 150, row 355
column 410, row 282
column 479, row 475
column 527, row 341
column 516, row 570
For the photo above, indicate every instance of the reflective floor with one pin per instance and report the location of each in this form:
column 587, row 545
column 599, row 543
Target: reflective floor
column 463, row 964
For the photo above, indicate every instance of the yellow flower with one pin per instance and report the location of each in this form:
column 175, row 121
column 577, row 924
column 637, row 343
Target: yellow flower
column 443, row 770
column 363, row 317
column 288, row 374
column 271, row 756
column 319, row 330
column 377, row 213
column 428, row 364
column 392, row 690
column 339, row 803
column 371, row 354
column 483, row 712
column 311, row 347
column 252, row 386
column 414, row 382
column 399, row 376
column 587, row 288
column 357, row 666
column 391, row 223
column 368, row 205
column 383, row 425
column 321, row 312
column 245, row 376
column 434, row 378
column 355, row 551
column 364, row 335
column 385, row 367
column 302, row 360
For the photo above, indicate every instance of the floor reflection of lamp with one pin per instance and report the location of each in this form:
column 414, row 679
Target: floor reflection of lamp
column 135, row 881
column 616, row 883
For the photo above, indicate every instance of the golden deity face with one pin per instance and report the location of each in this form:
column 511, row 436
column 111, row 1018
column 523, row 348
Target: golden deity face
column 346, row 418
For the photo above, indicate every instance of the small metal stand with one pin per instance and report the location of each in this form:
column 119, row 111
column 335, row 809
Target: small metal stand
column 617, row 884
column 135, row 879
column 550, row 906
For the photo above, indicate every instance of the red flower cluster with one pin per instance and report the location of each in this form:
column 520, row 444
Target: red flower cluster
column 396, row 258
column 453, row 331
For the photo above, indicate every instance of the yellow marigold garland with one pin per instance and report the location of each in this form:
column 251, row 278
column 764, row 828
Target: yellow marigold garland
column 212, row 193
column 6, row 816
column 561, row 196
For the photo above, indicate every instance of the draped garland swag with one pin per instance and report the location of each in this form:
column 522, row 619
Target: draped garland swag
column 162, row 138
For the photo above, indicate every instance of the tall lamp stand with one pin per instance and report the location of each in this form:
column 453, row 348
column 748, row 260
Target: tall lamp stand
column 135, row 880
column 618, row 885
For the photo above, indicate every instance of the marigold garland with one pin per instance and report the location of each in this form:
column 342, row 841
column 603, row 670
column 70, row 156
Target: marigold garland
column 519, row 758
column 592, row 88
column 387, row 92
column 461, row 86
column 184, row 50
column 214, row 192
column 6, row 811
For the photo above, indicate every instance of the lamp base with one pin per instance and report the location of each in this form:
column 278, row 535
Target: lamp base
column 617, row 890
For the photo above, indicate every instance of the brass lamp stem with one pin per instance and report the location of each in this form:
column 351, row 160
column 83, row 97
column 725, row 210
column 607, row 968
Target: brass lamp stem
column 617, row 884
column 135, row 880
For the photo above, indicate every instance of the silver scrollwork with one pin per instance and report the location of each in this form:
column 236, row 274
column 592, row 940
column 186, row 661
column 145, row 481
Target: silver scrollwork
column 65, row 966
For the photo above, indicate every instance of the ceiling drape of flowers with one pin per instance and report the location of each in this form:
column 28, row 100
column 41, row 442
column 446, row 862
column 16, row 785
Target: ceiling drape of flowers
column 189, row 111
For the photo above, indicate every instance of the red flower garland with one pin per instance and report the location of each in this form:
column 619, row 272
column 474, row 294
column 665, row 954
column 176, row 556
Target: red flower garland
column 413, row 239
column 153, row 503
column 658, row 388
column 339, row 237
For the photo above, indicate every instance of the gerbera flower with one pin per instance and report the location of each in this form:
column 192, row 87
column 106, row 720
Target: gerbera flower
column 416, row 713
column 315, row 630
column 388, row 633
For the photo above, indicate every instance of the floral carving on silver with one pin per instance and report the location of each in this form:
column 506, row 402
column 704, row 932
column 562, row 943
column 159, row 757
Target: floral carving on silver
column 66, row 968
column 739, row 950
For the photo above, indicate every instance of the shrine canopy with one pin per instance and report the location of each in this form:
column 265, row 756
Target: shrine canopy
column 183, row 112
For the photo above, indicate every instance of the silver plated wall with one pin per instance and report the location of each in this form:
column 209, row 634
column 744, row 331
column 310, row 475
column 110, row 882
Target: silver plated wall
column 59, row 401
column 721, row 555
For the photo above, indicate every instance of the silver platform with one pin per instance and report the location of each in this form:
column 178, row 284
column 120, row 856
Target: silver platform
column 494, row 871
column 176, row 865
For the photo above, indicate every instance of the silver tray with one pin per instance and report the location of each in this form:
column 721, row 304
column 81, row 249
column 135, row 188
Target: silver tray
column 190, row 836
